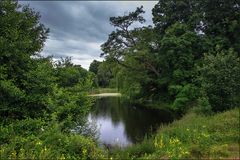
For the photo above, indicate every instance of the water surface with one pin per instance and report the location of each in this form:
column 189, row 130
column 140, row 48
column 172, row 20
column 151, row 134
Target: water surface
column 124, row 124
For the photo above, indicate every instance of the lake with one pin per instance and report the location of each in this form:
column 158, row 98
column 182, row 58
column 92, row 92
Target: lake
column 121, row 123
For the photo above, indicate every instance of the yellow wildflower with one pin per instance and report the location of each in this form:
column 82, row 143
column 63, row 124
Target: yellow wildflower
column 174, row 141
column 39, row 143
column 62, row 157
column 159, row 142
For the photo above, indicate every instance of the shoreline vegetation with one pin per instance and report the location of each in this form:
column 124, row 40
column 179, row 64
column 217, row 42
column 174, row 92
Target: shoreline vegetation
column 192, row 137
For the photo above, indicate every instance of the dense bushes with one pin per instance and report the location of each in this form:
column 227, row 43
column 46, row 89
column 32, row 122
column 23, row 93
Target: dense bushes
column 38, row 139
column 215, row 84
column 219, row 78
column 22, row 36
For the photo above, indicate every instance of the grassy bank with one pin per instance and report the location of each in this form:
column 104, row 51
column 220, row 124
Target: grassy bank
column 194, row 136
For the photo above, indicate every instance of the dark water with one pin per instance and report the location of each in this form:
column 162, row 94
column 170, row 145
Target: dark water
column 123, row 124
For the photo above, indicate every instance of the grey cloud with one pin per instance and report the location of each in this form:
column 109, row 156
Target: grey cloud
column 77, row 20
column 78, row 28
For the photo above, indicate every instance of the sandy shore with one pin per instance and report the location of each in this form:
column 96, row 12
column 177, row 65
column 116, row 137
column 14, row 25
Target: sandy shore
column 106, row 95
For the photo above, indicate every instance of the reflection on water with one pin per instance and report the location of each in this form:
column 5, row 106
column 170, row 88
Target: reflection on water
column 124, row 124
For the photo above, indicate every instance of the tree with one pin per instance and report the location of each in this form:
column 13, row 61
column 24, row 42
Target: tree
column 39, row 101
column 167, row 13
column 221, row 22
column 158, row 63
column 152, row 62
column 69, row 75
column 94, row 66
column 21, row 37
column 218, row 20
column 104, row 74
column 30, row 85
column 126, row 47
column 219, row 78
column 122, row 39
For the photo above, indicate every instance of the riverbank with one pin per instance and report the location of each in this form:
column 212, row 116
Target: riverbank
column 103, row 90
column 194, row 136
column 106, row 95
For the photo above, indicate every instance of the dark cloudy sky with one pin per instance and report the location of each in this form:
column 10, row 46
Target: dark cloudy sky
column 78, row 28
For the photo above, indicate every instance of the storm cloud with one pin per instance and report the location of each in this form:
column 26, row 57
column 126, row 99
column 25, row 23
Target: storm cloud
column 78, row 28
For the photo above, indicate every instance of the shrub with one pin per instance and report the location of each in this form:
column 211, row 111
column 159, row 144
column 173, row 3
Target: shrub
column 203, row 106
column 184, row 96
column 33, row 139
column 219, row 78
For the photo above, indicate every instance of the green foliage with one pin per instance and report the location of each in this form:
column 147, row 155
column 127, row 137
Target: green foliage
column 133, row 152
column 94, row 66
column 36, row 139
column 218, row 20
column 41, row 102
column 184, row 96
column 203, row 106
column 166, row 13
column 155, row 61
column 38, row 84
column 21, row 37
column 175, row 148
column 219, row 76
column 224, row 27
column 104, row 75
column 69, row 107
column 151, row 63
column 94, row 69
column 69, row 74
column 201, row 134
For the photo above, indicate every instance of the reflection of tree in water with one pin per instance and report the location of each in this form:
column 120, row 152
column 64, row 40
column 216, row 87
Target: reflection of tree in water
column 140, row 121
column 107, row 107
column 137, row 121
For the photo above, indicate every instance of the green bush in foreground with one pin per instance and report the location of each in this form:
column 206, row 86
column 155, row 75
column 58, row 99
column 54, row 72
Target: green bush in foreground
column 194, row 136
column 35, row 139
